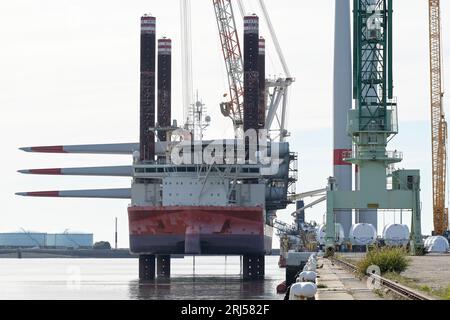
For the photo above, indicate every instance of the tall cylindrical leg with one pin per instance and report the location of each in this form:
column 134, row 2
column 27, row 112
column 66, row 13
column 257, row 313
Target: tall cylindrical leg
column 163, row 266
column 146, row 267
column 253, row 267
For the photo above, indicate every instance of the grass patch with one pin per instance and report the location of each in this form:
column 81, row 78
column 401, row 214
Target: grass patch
column 379, row 293
column 409, row 282
column 387, row 259
column 426, row 289
column 443, row 293
column 322, row 286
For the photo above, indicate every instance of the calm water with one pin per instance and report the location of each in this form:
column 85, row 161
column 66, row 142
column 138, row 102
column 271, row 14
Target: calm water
column 92, row 279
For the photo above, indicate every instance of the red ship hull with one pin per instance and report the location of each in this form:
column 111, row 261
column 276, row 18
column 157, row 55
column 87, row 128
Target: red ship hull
column 199, row 230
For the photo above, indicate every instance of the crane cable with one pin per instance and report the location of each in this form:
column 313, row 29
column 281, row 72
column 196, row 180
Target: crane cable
column 186, row 56
column 241, row 8
column 274, row 38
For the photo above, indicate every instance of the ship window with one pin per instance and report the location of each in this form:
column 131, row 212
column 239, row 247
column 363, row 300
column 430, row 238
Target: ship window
column 140, row 170
column 161, row 170
column 254, row 170
column 182, row 169
column 191, row 169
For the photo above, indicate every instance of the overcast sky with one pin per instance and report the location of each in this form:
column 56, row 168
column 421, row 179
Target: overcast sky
column 69, row 74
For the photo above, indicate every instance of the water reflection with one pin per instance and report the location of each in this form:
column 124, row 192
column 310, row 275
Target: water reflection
column 204, row 287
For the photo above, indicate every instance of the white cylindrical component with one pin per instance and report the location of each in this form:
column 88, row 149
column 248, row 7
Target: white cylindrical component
column 396, row 235
column 339, row 232
column 311, row 277
column 302, row 276
column 312, row 267
column 302, row 291
column 307, row 276
column 342, row 103
column 363, row 234
column 436, row 245
column 321, row 234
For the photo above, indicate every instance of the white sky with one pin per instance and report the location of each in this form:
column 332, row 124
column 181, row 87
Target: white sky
column 70, row 75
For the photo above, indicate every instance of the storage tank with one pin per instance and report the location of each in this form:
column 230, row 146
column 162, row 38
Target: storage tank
column 396, row 235
column 22, row 239
column 363, row 234
column 321, row 234
column 74, row 240
column 436, row 245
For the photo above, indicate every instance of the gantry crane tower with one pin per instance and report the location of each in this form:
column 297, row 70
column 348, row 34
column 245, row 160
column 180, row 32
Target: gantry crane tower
column 438, row 122
column 372, row 124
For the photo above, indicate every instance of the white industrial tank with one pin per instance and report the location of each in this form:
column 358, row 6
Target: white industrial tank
column 396, row 235
column 436, row 245
column 321, row 234
column 363, row 234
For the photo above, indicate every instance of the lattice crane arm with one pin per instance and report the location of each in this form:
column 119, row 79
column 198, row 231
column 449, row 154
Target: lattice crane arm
column 438, row 122
column 231, row 49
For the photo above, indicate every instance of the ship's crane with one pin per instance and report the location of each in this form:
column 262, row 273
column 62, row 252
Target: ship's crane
column 438, row 122
column 233, row 60
column 277, row 88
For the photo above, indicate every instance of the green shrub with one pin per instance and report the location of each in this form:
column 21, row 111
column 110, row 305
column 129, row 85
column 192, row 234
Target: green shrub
column 426, row 289
column 387, row 259
column 102, row 245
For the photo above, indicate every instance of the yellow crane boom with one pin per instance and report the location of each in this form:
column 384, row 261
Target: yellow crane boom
column 438, row 122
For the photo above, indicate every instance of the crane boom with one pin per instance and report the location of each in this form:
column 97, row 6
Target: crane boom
column 439, row 124
column 233, row 60
column 275, row 38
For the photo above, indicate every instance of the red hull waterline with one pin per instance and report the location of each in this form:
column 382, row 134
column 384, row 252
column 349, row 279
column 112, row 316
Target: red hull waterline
column 199, row 230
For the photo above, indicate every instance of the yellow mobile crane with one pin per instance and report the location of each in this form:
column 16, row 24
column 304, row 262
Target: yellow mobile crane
column 438, row 122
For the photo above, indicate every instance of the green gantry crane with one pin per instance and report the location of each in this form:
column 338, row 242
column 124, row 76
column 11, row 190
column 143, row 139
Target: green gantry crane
column 372, row 124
